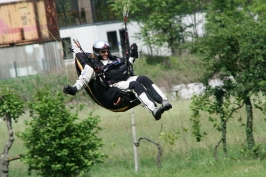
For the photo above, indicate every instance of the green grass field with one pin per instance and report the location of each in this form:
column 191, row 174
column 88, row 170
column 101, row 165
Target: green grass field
column 182, row 156
column 185, row 157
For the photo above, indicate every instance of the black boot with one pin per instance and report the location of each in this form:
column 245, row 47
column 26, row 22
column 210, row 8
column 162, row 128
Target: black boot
column 166, row 105
column 157, row 113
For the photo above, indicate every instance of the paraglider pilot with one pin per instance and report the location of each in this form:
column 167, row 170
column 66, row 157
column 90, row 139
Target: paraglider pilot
column 143, row 88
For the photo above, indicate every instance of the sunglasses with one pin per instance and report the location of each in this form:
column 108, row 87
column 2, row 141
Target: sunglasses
column 103, row 51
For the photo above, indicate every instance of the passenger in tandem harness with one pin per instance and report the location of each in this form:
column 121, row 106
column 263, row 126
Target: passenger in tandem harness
column 107, row 79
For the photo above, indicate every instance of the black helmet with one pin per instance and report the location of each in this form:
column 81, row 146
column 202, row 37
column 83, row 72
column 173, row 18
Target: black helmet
column 100, row 45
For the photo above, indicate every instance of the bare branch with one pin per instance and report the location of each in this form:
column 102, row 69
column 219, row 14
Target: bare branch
column 158, row 158
column 240, row 106
column 215, row 149
column 17, row 157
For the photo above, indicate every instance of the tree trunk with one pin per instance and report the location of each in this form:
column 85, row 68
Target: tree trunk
column 4, row 159
column 219, row 94
column 224, row 131
column 249, row 126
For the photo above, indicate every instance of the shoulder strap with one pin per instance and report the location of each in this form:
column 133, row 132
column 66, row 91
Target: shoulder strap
column 84, row 58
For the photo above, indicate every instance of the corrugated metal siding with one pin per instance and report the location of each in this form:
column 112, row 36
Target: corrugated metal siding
column 30, row 59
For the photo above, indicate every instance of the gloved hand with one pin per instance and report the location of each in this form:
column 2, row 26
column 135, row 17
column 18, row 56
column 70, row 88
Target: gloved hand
column 134, row 50
column 98, row 69
column 70, row 90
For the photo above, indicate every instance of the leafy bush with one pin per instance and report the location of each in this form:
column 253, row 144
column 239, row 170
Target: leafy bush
column 11, row 104
column 58, row 145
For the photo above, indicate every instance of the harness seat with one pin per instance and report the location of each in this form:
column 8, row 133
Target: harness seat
column 111, row 98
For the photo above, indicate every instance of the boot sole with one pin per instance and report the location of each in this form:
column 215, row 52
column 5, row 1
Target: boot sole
column 159, row 114
column 161, row 111
column 167, row 107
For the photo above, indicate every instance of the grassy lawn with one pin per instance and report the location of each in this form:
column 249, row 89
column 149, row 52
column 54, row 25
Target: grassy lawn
column 182, row 155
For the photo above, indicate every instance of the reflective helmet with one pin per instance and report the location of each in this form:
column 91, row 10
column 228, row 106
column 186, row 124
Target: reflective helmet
column 100, row 45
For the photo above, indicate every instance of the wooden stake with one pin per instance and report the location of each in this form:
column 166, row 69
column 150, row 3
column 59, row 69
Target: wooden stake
column 135, row 140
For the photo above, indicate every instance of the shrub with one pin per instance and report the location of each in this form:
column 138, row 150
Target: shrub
column 58, row 145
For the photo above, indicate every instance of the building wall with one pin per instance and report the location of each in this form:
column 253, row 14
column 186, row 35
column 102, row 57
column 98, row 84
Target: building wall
column 28, row 22
column 31, row 59
column 18, row 61
column 88, row 34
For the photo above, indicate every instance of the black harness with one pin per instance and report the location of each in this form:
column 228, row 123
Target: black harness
column 100, row 91
column 118, row 70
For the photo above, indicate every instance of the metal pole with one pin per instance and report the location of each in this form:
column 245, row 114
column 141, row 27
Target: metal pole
column 43, row 65
column 15, row 66
column 135, row 140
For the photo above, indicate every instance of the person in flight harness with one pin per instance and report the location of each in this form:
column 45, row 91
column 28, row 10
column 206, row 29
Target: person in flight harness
column 115, row 72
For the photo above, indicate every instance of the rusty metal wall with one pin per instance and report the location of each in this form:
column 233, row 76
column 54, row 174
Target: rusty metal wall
column 28, row 21
column 30, row 59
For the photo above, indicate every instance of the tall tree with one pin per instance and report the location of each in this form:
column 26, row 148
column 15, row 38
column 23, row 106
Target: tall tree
column 234, row 47
column 161, row 21
column 11, row 107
